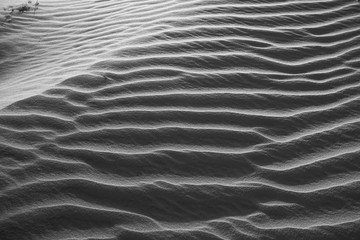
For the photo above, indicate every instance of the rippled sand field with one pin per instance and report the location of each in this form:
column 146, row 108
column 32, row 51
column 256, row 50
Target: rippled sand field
column 170, row 119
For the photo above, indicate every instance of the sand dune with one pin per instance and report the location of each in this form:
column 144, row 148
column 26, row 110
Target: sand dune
column 166, row 119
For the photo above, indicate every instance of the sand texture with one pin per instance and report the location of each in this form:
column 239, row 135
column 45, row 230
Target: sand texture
column 180, row 119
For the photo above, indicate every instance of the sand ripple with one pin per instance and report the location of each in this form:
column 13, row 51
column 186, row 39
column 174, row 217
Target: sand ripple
column 166, row 119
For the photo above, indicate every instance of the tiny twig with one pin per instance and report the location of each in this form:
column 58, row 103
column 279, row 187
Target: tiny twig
column 25, row 7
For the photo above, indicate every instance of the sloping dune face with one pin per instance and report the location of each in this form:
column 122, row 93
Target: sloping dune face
column 165, row 119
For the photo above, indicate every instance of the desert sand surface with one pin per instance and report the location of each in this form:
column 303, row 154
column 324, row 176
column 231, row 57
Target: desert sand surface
column 185, row 120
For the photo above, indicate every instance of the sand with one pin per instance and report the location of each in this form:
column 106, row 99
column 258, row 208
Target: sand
column 166, row 119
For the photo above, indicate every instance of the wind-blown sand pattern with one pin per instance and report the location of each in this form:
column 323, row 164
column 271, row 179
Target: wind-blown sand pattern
column 165, row 119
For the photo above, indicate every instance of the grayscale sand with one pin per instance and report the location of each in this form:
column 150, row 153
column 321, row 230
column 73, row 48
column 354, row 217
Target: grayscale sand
column 185, row 120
